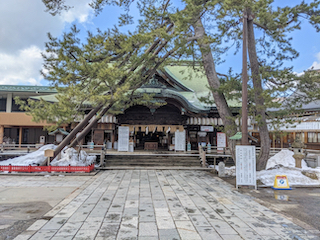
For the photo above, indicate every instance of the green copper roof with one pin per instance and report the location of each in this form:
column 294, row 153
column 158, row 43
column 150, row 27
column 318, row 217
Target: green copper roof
column 21, row 88
column 59, row 130
column 196, row 80
column 237, row 136
column 192, row 79
column 48, row 98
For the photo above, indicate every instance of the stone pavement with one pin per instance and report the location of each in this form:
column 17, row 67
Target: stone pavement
column 161, row 204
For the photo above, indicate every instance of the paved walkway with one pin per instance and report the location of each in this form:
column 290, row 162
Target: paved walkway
column 161, row 204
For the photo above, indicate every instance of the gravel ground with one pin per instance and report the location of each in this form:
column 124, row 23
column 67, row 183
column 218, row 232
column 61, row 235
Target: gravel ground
column 17, row 217
column 25, row 199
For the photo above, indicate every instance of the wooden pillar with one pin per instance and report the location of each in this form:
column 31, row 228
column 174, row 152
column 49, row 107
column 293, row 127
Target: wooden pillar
column 294, row 136
column 20, row 136
column 281, row 140
column 1, row 133
column 9, row 103
column 273, row 140
column 305, row 137
column 113, row 133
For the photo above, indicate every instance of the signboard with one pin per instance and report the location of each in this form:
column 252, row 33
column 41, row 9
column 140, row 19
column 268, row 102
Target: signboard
column 98, row 136
column 49, row 153
column 281, row 183
column 206, row 128
column 123, row 139
column 180, row 141
column 59, row 138
column 299, row 126
column 246, row 165
column 42, row 139
column 221, row 141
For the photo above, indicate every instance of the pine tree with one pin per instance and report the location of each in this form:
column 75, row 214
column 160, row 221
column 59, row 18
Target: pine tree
column 269, row 45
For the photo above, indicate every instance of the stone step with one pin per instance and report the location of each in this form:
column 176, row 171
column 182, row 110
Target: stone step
column 152, row 165
column 151, row 160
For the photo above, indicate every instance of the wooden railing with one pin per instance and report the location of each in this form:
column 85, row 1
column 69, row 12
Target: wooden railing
column 25, row 148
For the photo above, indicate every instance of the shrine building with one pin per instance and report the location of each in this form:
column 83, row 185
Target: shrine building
column 178, row 90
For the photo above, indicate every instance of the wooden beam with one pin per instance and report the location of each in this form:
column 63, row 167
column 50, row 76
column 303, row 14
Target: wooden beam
column 1, row 133
column 20, row 137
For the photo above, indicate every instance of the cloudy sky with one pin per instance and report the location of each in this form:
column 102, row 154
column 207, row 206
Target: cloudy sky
column 24, row 25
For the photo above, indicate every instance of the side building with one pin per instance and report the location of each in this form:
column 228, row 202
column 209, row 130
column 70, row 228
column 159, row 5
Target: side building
column 16, row 127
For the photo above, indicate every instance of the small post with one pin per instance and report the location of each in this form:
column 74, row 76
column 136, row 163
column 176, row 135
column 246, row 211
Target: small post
column 203, row 157
column 102, row 156
column 222, row 172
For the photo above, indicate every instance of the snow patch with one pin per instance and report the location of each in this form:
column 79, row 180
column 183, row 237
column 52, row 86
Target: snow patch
column 69, row 156
column 34, row 158
column 283, row 163
column 294, row 175
column 229, row 171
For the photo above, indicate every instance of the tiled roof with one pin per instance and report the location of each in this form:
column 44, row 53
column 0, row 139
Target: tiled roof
column 21, row 88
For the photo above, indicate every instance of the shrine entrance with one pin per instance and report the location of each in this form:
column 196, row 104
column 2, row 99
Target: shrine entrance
column 150, row 141
column 153, row 129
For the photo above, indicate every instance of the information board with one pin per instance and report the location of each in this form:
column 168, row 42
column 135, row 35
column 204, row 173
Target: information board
column 206, row 128
column 246, row 166
column 221, row 141
column 180, row 141
column 123, row 139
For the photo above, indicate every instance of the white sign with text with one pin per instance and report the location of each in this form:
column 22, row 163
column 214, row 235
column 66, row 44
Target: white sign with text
column 246, row 165
column 180, row 141
column 123, row 139
column 221, row 141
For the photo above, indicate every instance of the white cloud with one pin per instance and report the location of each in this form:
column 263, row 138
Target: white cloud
column 21, row 68
column 81, row 11
column 23, row 33
column 316, row 64
column 298, row 74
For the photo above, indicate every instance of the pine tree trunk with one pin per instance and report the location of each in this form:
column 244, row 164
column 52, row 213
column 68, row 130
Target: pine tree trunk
column 258, row 98
column 213, row 80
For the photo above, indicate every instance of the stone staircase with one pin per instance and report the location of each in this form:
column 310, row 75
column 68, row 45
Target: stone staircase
column 152, row 160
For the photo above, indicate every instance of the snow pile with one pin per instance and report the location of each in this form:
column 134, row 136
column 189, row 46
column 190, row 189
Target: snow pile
column 283, row 163
column 282, row 158
column 34, row 158
column 229, row 171
column 69, row 156
column 294, row 175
